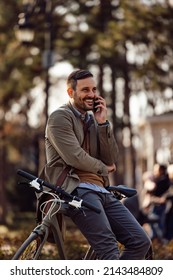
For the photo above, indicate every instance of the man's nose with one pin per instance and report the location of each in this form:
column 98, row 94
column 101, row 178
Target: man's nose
column 91, row 94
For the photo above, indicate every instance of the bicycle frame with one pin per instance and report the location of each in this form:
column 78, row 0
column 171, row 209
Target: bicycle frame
column 50, row 223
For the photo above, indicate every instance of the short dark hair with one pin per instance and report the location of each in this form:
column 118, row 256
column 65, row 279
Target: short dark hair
column 78, row 75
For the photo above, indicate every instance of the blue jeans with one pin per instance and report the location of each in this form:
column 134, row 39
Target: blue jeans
column 159, row 228
column 114, row 224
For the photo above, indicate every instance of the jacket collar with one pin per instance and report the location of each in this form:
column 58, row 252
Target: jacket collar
column 84, row 117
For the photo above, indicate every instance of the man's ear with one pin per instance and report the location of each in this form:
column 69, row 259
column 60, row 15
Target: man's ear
column 70, row 92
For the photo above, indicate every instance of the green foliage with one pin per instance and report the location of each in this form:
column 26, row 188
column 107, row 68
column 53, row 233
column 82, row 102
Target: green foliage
column 95, row 34
column 10, row 64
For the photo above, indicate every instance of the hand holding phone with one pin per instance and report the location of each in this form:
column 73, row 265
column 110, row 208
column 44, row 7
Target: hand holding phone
column 100, row 109
column 96, row 102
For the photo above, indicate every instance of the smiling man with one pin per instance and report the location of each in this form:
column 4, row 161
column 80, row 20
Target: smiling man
column 81, row 151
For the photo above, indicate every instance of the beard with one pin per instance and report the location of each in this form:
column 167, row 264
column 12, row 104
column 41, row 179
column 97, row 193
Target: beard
column 84, row 105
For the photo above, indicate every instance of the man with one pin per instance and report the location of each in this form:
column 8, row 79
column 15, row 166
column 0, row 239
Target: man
column 82, row 145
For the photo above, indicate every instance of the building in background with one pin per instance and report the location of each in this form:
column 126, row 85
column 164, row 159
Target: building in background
column 155, row 142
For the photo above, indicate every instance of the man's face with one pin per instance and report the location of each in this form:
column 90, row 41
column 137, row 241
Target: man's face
column 84, row 94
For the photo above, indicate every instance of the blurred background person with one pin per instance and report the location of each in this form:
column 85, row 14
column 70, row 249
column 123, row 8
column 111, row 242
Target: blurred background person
column 168, row 234
column 156, row 186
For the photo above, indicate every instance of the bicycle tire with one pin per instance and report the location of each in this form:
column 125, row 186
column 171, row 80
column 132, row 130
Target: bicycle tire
column 31, row 248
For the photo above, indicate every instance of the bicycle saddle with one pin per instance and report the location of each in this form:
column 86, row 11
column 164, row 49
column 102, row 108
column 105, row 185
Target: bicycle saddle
column 128, row 192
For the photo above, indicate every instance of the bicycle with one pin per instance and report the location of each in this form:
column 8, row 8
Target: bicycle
column 59, row 203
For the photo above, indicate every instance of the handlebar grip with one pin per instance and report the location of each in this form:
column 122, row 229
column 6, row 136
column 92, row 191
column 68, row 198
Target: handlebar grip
column 91, row 206
column 26, row 174
column 40, row 181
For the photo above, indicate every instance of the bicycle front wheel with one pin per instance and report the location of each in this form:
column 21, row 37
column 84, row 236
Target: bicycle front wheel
column 31, row 248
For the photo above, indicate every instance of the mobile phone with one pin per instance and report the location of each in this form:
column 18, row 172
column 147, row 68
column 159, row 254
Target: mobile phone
column 96, row 102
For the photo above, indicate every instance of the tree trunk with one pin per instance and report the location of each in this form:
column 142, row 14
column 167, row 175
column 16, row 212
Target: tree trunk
column 127, row 121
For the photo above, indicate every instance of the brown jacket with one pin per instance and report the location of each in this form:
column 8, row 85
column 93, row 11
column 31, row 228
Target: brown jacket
column 64, row 137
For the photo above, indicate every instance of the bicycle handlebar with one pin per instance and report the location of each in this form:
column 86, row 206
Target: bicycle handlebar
column 57, row 189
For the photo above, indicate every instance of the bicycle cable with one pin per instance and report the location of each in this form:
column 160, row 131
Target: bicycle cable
column 56, row 199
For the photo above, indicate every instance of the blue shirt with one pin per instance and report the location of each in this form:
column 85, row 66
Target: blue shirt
column 93, row 187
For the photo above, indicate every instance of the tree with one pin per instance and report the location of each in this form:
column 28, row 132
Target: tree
column 15, row 101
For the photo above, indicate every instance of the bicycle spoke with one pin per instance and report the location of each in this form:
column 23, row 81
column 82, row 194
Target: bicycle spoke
column 31, row 250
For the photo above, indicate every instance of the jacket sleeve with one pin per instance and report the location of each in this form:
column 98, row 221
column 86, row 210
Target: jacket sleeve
column 108, row 149
column 60, row 132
